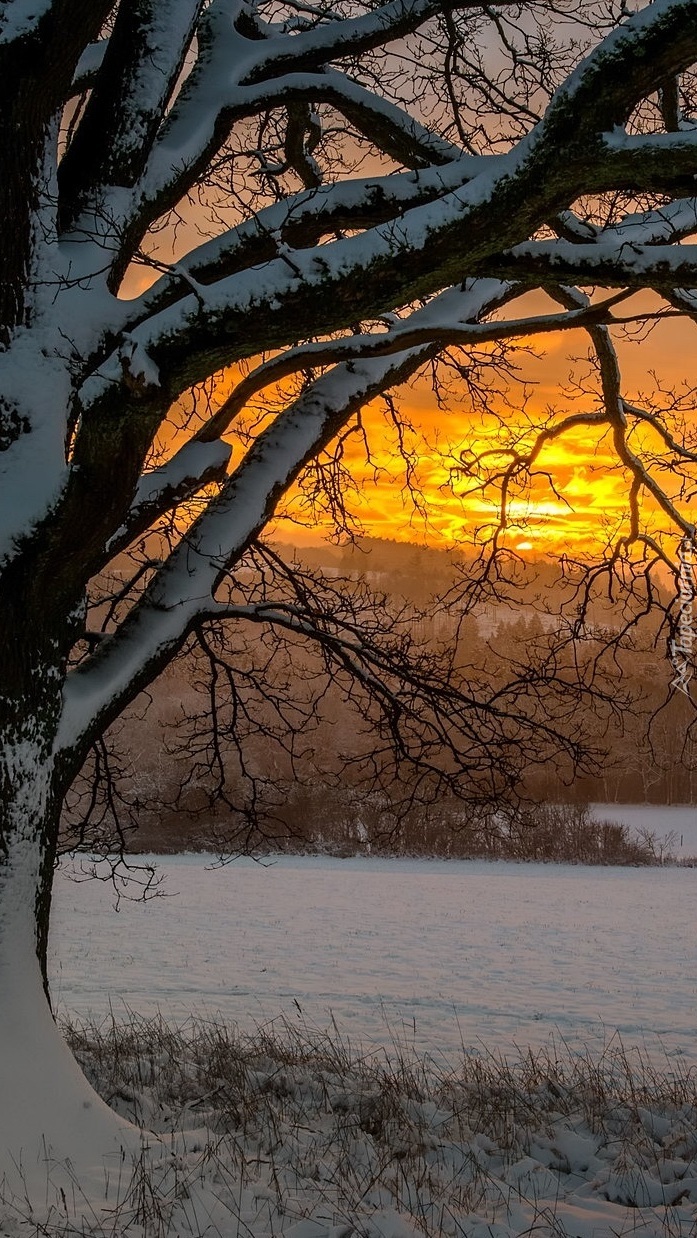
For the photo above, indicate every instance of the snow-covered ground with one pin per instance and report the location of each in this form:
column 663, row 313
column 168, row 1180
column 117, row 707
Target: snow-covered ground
column 305, row 1137
column 436, row 953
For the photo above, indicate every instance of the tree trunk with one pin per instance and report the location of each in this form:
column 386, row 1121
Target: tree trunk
column 54, row 1129
column 49, row 1114
column 34, row 645
column 28, row 837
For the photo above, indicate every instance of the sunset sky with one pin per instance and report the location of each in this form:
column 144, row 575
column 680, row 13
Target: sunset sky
column 591, row 500
column 592, row 487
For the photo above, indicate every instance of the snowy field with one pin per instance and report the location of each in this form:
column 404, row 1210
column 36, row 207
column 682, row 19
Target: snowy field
column 436, row 954
column 309, row 1138
column 679, row 823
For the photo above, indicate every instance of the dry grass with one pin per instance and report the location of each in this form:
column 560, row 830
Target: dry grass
column 292, row 1132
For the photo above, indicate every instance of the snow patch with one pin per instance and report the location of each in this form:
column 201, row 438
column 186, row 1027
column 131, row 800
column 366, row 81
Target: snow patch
column 139, row 369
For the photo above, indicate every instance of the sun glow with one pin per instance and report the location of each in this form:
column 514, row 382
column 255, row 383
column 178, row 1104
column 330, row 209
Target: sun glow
column 576, row 496
column 416, row 481
column 420, row 484
column 430, row 471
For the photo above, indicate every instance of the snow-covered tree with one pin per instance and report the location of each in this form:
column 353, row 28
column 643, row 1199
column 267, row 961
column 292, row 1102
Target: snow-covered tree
column 377, row 184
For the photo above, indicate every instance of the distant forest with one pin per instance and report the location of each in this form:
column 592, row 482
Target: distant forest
column 158, row 771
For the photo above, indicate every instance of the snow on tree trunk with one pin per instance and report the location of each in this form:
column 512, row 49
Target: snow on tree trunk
column 52, row 1124
column 48, row 1112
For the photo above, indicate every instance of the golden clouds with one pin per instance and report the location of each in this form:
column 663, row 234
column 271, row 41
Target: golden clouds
column 429, row 467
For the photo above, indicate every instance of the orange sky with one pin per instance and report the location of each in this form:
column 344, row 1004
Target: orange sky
column 591, row 500
column 592, row 489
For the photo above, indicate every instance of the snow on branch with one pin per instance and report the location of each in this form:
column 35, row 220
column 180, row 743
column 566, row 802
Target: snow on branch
column 160, row 490
column 389, row 127
column 311, row 49
column 182, row 590
column 132, row 89
column 456, row 223
column 435, row 327
column 194, row 133
column 32, row 434
column 669, row 223
column 682, row 144
column 88, row 67
column 277, row 70
column 613, row 263
column 632, row 62
column 139, row 370
column 658, row 162
column 236, row 76
column 642, row 248
column 423, row 249
column 327, row 288
column 301, row 220
column 21, row 18
column 452, row 314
